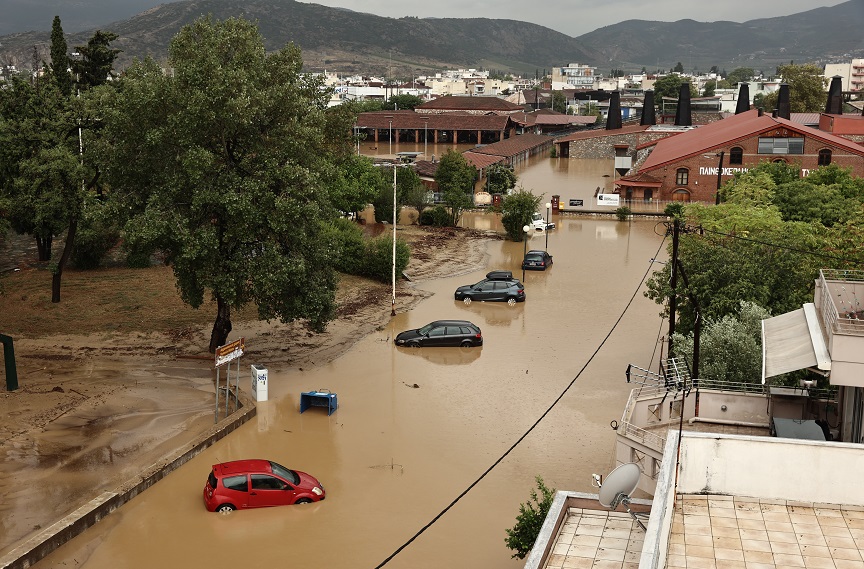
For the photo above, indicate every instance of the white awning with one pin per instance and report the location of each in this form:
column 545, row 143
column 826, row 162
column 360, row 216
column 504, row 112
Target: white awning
column 793, row 341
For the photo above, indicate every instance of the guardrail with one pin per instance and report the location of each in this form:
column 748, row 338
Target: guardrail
column 647, row 438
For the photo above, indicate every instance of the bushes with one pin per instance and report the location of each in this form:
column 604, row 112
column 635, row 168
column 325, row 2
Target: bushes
column 355, row 255
column 438, row 216
column 623, row 213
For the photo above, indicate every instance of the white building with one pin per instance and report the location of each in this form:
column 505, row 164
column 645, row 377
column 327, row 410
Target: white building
column 574, row 76
column 852, row 74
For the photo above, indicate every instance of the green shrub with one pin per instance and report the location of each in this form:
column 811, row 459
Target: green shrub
column 377, row 261
column 532, row 514
column 346, row 242
column 437, row 216
column 623, row 213
column 674, row 210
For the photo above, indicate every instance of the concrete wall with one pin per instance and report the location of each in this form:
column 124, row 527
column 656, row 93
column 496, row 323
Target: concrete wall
column 772, row 468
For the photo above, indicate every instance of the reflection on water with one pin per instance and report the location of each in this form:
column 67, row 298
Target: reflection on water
column 445, row 356
column 491, row 313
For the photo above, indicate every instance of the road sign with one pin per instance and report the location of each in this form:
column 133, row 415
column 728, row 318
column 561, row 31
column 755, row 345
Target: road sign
column 230, row 352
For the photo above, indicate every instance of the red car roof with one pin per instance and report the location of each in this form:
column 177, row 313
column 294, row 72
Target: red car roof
column 242, row 466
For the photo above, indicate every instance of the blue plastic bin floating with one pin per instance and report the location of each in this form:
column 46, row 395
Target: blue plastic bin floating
column 319, row 398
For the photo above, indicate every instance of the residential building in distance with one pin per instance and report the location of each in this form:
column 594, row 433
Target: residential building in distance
column 851, row 74
column 573, row 76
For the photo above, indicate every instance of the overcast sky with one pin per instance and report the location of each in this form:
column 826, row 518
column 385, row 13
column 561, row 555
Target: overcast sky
column 571, row 17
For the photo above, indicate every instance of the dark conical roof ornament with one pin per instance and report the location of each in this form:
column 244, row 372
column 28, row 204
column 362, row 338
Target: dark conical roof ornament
column 743, row 99
column 649, row 114
column 613, row 119
column 834, row 104
column 784, row 107
column 682, row 113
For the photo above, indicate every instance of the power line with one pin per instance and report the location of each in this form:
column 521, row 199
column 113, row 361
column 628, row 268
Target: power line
column 532, row 427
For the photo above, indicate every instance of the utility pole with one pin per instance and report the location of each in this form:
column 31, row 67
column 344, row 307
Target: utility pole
column 673, row 283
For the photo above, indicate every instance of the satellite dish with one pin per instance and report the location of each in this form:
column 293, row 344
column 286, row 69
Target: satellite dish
column 618, row 486
column 621, row 481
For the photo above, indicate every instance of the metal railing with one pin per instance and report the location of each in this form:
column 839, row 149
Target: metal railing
column 850, row 321
column 647, row 438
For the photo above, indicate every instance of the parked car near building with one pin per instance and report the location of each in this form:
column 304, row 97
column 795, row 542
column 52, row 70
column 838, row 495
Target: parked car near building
column 536, row 260
column 243, row 484
column 498, row 286
column 442, row 333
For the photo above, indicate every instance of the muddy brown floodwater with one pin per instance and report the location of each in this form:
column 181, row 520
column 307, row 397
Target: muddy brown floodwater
column 393, row 456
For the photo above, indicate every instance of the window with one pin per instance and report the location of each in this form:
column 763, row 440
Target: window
column 736, row 155
column 781, row 146
column 235, row 483
column 682, row 175
column 265, row 482
column 437, row 332
column 824, row 157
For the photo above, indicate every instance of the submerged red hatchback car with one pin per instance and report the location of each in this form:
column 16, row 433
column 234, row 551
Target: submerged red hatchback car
column 243, row 484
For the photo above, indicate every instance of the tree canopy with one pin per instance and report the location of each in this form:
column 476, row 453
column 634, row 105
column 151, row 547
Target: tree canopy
column 670, row 86
column 227, row 167
column 766, row 243
column 455, row 178
column 516, row 212
column 806, row 89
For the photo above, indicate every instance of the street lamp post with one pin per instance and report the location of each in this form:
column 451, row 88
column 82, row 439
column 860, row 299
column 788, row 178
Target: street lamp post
column 548, row 206
column 525, row 230
column 393, row 298
column 390, row 135
column 425, row 138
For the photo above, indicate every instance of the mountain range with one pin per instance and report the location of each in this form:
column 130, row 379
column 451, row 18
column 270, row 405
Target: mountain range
column 354, row 42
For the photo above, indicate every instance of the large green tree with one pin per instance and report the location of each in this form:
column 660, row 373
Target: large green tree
column 227, row 166
column 740, row 74
column 40, row 168
column 455, row 178
column 500, row 179
column 94, row 62
column 670, row 86
column 806, row 88
column 60, row 58
column 516, row 211
column 766, row 243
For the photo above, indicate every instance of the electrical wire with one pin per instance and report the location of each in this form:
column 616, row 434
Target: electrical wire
column 783, row 247
column 532, row 427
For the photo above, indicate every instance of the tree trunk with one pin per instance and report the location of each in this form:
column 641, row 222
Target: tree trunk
column 222, row 326
column 43, row 248
column 67, row 252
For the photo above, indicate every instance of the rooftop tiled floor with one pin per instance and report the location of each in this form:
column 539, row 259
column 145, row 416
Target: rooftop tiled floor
column 594, row 539
column 727, row 532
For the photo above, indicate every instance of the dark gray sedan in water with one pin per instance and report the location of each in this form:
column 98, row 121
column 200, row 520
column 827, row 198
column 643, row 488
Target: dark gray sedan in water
column 442, row 333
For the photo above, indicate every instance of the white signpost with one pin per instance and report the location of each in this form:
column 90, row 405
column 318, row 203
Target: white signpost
column 225, row 355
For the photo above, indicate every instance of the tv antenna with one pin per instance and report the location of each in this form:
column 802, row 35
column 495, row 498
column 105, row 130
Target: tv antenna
column 616, row 490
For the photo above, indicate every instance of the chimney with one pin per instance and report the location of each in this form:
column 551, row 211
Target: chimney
column 834, row 104
column 784, row 110
column 649, row 113
column 682, row 113
column 743, row 99
column 613, row 119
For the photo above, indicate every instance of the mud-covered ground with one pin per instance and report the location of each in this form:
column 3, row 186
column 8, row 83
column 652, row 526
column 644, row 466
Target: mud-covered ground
column 117, row 374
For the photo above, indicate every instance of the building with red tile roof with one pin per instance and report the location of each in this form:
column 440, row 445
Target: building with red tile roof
column 688, row 164
column 468, row 104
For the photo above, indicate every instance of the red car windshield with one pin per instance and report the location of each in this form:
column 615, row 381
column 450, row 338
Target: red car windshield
column 285, row 473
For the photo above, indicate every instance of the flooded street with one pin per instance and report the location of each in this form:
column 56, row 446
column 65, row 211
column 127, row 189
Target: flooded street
column 416, row 428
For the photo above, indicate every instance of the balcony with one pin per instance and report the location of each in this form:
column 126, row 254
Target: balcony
column 840, row 303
